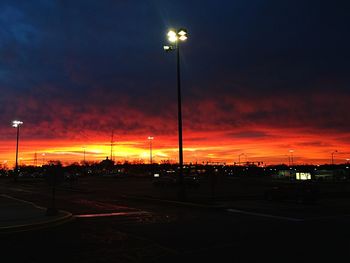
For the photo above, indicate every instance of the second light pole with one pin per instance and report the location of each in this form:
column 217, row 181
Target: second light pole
column 150, row 138
column 175, row 37
column 332, row 160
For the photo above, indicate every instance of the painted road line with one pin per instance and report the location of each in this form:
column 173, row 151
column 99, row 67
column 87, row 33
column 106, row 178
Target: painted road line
column 265, row 215
column 23, row 201
column 112, row 214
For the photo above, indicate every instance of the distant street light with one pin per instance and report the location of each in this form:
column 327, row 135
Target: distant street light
column 176, row 37
column 84, row 148
column 43, row 155
column 84, row 163
column 150, row 138
column 239, row 158
column 291, row 156
column 16, row 124
column 288, row 158
column 333, row 156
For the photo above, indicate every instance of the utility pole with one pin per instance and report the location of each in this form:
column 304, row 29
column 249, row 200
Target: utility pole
column 35, row 159
column 112, row 144
column 150, row 138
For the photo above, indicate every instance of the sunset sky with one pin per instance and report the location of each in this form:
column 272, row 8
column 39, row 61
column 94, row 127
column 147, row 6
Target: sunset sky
column 259, row 78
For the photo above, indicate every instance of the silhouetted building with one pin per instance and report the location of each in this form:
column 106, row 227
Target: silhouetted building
column 107, row 164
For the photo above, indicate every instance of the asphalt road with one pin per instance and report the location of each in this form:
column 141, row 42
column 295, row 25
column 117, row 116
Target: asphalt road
column 111, row 228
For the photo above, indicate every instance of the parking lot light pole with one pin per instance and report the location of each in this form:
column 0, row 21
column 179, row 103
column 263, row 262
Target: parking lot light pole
column 150, row 138
column 291, row 156
column 176, row 37
column 333, row 156
column 16, row 124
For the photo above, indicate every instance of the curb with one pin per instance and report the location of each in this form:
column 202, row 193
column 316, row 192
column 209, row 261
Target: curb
column 64, row 218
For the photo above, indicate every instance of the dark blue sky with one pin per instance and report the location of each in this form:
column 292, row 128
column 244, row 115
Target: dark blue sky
column 246, row 64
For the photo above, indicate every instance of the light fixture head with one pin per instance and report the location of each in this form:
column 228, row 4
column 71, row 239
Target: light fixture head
column 150, row 137
column 172, row 36
column 182, row 34
column 183, row 38
column 16, row 123
column 168, row 48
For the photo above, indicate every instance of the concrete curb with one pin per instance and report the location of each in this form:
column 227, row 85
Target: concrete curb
column 58, row 220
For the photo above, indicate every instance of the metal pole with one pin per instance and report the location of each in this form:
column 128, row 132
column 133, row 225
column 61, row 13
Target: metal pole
column 150, row 151
column 16, row 168
column 182, row 193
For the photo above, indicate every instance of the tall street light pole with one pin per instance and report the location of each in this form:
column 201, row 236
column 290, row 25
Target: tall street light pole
column 43, row 155
column 84, row 162
column 176, row 37
column 150, row 138
column 239, row 158
column 16, row 124
column 84, row 148
column 333, row 156
column 291, row 156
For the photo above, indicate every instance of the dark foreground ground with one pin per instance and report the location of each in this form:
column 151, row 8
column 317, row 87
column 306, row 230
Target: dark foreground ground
column 119, row 220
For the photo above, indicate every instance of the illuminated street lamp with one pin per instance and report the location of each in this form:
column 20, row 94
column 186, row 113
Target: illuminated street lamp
column 150, row 138
column 333, row 156
column 16, row 124
column 176, row 37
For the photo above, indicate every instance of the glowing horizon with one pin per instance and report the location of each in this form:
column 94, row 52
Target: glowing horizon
column 198, row 147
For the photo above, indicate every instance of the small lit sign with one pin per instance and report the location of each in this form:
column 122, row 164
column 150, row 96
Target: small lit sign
column 156, row 175
column 303, row 176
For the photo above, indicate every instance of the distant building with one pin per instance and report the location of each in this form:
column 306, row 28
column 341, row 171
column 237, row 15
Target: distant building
column 302, row 176
column 293, row 174
column 323, row 174
column 331, row 174
column 285, row 173
column 107, row 164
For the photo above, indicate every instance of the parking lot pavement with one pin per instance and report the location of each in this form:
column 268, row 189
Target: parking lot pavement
column 18, row 215
column 291, row 211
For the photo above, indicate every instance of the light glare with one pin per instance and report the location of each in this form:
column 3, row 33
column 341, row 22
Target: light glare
column 172, row 38
column 16, row 123
column 183, row 38
column 182, row 32
column 171, row 33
